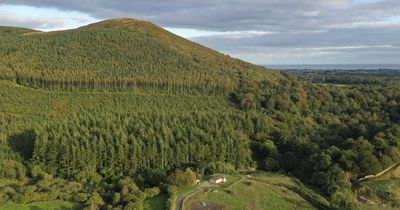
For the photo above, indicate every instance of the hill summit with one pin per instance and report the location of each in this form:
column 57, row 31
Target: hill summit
column 118, row 52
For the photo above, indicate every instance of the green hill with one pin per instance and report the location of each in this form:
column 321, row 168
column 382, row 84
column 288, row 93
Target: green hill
column 120, row 53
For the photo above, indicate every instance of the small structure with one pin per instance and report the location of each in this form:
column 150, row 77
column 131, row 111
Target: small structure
column 218, row 179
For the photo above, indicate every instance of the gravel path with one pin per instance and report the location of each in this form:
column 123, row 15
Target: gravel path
column 179, row 202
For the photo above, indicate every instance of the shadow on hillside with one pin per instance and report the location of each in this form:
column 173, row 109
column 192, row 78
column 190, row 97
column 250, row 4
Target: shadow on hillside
column 23, row 143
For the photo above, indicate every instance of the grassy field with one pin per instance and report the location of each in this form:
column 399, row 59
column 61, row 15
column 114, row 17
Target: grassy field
column 156, row 203
column 185, row 190
column 392, row 185
column 381, row 193
column 266, row 191
column 50, row 205
column 375, row 207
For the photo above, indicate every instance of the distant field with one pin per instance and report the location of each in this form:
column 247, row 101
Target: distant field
column 50, row 205
column 260, row 192
column 350, row 77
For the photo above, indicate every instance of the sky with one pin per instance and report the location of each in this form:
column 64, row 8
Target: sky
column 265, row 32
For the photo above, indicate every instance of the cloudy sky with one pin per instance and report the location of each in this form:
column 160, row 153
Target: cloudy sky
column 259, row 31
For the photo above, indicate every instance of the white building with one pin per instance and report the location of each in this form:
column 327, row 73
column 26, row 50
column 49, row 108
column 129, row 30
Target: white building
column 218, row 179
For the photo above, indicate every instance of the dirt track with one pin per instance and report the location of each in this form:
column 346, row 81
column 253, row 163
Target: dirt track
column 179, row 201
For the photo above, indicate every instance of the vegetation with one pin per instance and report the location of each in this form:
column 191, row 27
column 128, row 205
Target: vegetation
column 250, row 194
column 115, row 113
column 156, row 203
column 141, row 144
column 381, row 192
column 116, row 54
column 53, row 205
column 306, row 192
column 350, row 77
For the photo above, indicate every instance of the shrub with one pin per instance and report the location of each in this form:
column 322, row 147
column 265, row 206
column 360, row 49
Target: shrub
column 11, row 169
column 171, row 202
column 182, row 178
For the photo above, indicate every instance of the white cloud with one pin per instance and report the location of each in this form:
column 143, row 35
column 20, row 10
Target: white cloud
column 42, row 19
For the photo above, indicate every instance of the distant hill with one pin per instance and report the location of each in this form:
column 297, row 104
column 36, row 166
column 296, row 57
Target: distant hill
column 116, row 53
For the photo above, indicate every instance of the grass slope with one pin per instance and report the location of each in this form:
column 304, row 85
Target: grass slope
column 262, row 191
column 156, row 203
column 256, row 195
column 382, row 192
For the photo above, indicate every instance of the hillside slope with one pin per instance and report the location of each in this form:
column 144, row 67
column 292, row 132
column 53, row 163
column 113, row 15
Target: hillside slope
column 117, row 53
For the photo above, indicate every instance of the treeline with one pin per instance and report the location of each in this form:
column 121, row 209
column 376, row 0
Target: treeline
column 350, row 77
column 121, row 84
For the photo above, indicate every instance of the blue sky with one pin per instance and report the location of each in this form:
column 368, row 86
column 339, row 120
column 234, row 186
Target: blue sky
column 262, row 32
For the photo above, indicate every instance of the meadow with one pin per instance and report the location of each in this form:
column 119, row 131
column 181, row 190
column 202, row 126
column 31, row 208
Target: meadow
column 259, row 191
